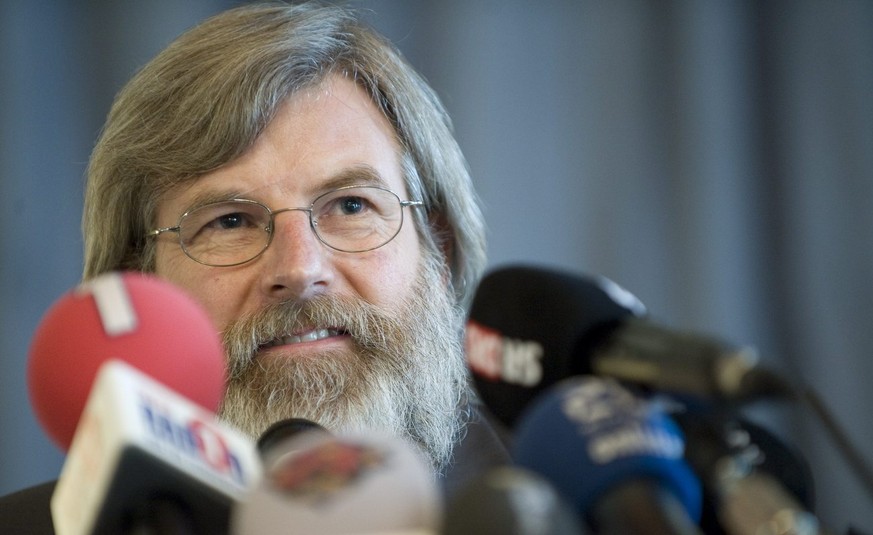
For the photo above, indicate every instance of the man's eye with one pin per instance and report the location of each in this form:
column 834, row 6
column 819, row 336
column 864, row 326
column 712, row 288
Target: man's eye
column 351, row 205
column 217, row 223
column 229, row 221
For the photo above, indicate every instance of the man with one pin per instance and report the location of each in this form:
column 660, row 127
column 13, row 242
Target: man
column 285, row 166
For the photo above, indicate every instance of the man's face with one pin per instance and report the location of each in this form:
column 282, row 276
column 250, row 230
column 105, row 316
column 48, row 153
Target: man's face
column 321, row 138
column 350, row 340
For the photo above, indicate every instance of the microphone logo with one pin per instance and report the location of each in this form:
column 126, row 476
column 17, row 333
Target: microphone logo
column 320, row 473
column 496, row 358
column 192, row 438
column 617, row 424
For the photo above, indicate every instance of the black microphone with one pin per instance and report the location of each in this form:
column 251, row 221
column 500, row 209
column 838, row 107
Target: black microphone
column 284, row 430
column 752, row 481
column 531, row 327
column 510, row 500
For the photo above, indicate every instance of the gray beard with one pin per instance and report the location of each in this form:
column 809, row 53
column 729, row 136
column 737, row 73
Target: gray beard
column 405, row 375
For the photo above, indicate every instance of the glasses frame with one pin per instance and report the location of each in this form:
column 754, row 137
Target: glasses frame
column 271, row 226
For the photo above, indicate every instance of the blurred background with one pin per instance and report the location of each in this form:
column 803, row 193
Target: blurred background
column 713, row 157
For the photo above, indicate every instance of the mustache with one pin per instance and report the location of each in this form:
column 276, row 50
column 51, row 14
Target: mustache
column 364, row 322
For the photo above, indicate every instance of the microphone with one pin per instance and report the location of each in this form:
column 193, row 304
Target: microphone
column 281, row 431
column 277, row 442
column 752, row 481
column 137, row 318
column 145, row 459
column 615, row 458
column 124, row 373
column 510, row 501
column 316, row 482
column 530, row 327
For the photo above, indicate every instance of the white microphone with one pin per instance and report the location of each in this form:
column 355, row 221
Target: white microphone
column 319, row 483
column 145, row 457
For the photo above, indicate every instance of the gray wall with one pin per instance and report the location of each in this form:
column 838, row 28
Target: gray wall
column 712, row 157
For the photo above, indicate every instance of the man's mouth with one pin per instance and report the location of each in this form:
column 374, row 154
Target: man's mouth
column 308, row 336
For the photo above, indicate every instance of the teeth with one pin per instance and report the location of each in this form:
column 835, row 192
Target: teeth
column 310, row 336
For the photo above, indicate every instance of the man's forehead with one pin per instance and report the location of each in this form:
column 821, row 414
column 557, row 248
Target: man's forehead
column 327, row 135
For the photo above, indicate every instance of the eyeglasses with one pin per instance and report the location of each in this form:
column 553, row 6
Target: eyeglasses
column 352, row 219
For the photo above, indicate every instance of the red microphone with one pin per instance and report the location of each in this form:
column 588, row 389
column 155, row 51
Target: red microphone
column 125, row 374
column 139, row 319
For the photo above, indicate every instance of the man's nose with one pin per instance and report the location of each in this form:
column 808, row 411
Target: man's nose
column 296, row 264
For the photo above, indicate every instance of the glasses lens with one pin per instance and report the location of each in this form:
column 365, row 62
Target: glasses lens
column 225, row 233
column 357, row 219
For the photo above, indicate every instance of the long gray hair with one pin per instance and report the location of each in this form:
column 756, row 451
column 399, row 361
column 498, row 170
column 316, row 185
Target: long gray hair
column 204, row 100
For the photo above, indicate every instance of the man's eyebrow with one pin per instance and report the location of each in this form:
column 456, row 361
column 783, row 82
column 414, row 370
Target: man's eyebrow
column 358, row 175
column 210, row 196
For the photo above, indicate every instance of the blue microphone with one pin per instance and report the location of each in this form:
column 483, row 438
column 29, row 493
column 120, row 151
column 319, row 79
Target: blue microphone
column 617, row 458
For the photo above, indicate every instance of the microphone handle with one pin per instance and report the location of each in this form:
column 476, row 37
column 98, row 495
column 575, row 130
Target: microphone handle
column 756, row 503
column 161, row 515
column 640, row 506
